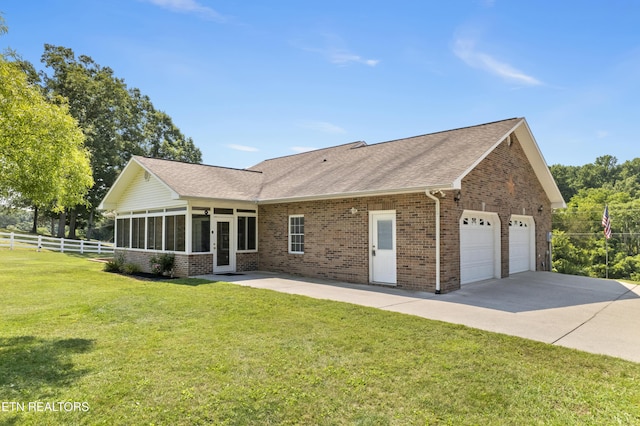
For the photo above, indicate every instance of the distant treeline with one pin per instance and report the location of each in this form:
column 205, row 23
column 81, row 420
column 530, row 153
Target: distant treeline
column 579, row 244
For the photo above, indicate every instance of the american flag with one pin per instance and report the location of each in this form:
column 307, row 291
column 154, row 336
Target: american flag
column 606, row 223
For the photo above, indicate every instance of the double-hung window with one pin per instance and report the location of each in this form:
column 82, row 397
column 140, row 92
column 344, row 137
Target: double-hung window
column 296, row 234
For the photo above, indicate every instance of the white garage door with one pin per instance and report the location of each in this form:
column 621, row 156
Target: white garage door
column 521, row 240
column 479, row 247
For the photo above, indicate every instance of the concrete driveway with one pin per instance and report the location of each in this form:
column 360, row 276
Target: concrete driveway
column 593, row 315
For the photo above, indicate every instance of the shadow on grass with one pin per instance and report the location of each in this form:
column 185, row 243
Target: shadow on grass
column 29, row 364
column 192, row 282
column 144, row 276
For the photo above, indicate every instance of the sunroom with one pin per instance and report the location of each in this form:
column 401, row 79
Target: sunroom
column 205, row 234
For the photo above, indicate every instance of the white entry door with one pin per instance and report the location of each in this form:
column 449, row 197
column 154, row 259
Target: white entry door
column 382, row 246
column 223, row 252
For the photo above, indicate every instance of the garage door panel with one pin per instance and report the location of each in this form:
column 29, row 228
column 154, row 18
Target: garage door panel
column 521, row 237
column 477, row 247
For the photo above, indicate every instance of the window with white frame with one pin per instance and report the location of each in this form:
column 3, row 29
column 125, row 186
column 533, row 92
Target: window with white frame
column 146, row 229
column 296, row 234
column 174, row 233
column 154, row 233
column 123, row 232
column 247, row 233
column 137, row 232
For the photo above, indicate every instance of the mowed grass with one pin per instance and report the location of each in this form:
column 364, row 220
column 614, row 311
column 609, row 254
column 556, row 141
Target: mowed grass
column 197, row 353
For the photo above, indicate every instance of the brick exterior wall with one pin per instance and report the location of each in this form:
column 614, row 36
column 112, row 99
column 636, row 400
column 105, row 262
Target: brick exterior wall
column 337, row 242
column 504, row 183
column 185, row 265
column 246, row 262
column 188, row 265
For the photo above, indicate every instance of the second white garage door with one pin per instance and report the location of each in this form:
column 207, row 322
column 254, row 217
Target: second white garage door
column 479, row 246
column 521, row 244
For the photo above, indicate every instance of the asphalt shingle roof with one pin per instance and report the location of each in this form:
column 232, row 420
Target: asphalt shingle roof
column 431, row 160
column 202, row 181
column 426, row 161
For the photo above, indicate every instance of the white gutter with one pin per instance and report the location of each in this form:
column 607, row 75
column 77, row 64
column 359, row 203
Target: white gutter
column 437, row 200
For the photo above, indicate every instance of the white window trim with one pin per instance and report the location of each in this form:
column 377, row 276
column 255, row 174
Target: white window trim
column 290, row 234
column 237, row 217
column 146, row 214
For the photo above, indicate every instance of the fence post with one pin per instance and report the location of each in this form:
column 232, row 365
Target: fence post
column 61, row 245
column 39, row 242
column 11, row 241
column 99, row 247
column 81, row 246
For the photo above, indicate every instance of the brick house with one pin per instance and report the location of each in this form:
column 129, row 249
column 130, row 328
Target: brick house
column 430, row 212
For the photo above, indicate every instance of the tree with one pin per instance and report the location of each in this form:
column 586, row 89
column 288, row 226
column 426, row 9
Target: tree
column 117, row 122
column 579, row 244
column 32, row 133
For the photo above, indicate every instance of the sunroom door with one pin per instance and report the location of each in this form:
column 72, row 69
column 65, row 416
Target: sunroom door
column 223, row 253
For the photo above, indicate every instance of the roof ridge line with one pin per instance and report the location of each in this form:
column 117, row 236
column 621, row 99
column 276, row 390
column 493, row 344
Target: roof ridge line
column 359, row 144
column 197, row 164
column 443, row 131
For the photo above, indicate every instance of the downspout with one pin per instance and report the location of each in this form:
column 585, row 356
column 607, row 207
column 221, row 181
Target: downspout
column 437, row 200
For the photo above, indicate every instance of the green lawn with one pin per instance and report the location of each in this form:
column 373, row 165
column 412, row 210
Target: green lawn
column 191, row 352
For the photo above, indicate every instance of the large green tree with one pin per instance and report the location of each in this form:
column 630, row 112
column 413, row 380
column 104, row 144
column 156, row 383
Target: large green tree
column 117, row 122
column 42, row 157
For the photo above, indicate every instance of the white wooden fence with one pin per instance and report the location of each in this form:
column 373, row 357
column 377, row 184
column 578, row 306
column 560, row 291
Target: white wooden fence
column 13, row 240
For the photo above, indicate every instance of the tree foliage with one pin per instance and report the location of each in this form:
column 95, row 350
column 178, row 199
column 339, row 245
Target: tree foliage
column 33, row 132
column 579, row 244
column 117, row 121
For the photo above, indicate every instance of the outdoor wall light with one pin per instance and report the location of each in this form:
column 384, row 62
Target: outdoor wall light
column 353, row 210
column 540, row 209
column 457, row 197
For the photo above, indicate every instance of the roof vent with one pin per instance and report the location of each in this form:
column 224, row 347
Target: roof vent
column 509, row 141
column 147, row 176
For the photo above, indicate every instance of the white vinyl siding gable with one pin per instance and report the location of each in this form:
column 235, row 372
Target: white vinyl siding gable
column 147, row 192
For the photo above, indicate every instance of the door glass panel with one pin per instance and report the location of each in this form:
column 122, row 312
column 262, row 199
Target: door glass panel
column 385, row 234
column 223, row 243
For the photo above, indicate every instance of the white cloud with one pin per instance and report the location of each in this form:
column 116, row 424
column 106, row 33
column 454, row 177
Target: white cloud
column 322, row 126
column 302, row 148
column 336, row 52
column 243, row 148
column 189, row 6
column 465, row 50
column 341, row 57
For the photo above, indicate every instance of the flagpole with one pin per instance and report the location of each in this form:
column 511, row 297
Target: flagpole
column 606, row 249
column 606, row 223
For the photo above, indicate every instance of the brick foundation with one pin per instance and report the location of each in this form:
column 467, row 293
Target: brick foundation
column 189, row 265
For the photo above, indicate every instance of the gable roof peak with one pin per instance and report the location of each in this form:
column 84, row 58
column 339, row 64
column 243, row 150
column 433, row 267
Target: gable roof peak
column 145, row 160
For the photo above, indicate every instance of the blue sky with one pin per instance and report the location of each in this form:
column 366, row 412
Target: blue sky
column 250, row 80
